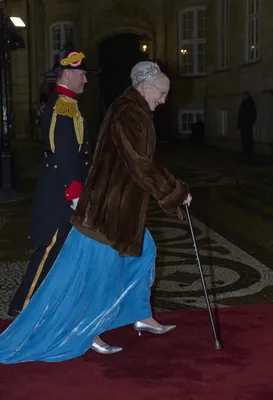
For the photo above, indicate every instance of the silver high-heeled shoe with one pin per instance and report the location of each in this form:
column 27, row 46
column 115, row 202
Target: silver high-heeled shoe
column 105, row 349
column 157, row 330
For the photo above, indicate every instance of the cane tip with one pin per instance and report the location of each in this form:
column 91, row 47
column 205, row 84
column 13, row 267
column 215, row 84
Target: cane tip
column 218, row 345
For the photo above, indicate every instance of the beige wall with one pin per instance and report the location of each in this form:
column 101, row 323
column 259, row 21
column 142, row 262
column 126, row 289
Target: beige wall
column 188, row 93
column 224, row 87
column 221, row 90
column 158, row 19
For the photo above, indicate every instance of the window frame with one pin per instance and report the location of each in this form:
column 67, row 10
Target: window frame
column 195, row 114
column 223, row 41
column 253, row 22
column 195, row 41
column 62, row 23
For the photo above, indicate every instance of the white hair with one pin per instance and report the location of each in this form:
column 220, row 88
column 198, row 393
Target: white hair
column 145, row 71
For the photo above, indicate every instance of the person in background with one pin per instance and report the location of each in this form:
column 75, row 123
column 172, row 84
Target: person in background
column 247, row 117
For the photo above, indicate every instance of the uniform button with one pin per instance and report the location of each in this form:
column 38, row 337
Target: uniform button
column 28, row 237
column 55, row 166
column 65, row 185
column 86, row 163
column 86, row 152
column 87, row 142
column 47, row 165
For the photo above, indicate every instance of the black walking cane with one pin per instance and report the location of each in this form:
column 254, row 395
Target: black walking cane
column 218, row 345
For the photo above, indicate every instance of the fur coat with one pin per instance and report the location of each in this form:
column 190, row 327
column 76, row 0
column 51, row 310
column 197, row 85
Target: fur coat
column 113, row 205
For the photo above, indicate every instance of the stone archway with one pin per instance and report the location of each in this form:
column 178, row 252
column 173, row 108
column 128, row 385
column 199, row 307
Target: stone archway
column 117, row 55
column 148, row 34
column 93, row 93
column 109, row 23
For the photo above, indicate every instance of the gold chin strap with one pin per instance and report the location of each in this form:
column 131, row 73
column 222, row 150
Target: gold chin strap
column 72, row 59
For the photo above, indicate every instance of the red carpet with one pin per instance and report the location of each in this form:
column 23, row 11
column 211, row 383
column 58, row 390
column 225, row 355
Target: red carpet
column 182, row 365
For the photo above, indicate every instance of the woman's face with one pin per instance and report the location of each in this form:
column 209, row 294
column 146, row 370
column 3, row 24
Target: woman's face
column 156, row 92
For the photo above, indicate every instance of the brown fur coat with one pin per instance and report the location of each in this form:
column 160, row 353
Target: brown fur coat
column 113, row 206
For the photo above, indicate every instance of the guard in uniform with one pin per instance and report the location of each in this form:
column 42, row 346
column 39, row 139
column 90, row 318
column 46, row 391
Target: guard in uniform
column 64, row 169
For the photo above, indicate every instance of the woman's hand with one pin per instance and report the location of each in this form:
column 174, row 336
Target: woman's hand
column 188, row 200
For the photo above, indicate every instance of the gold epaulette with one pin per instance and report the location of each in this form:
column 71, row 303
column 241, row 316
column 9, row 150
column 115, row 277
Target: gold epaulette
column 68, row 108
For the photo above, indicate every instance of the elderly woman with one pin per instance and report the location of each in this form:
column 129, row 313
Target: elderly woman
column 102, row 277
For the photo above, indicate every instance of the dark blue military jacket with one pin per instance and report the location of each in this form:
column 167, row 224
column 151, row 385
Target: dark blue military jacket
column 63, row 171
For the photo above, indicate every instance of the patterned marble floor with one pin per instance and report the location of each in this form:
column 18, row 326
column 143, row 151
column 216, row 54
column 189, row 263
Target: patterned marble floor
column 232, row 276
column 235, row 266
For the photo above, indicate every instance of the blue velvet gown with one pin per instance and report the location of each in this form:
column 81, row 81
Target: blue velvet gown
column 89, row 290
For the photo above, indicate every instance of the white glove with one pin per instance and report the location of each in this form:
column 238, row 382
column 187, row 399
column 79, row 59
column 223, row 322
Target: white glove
column 74, row 204
column 188, row 200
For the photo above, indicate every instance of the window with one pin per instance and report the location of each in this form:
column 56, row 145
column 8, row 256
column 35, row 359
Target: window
column 223, row 122
column 60, row 33
column 187, row 118
column 223, row 33
column 253, row 27
column 192, row 41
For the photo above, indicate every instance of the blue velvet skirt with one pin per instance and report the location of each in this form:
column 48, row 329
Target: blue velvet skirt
column 89, row 290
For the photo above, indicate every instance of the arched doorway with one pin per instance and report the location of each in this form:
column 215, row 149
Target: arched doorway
column 117, row 55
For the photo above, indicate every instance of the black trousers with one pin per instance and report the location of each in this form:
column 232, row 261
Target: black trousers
column 40, row 264
column 247, row 142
